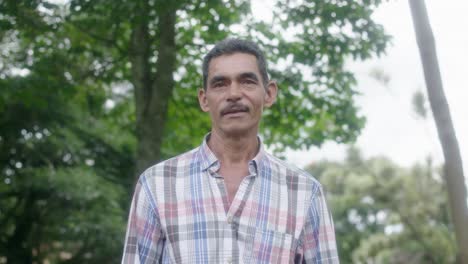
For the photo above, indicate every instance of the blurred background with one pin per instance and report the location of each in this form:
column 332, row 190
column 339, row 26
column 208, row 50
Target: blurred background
column 93, row 92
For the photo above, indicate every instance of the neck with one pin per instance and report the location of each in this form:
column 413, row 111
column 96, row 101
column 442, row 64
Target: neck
column 233, row 149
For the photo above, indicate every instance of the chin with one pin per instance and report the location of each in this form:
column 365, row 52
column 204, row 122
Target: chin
column 236, row 129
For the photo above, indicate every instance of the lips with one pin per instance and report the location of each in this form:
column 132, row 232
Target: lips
column 232, row 109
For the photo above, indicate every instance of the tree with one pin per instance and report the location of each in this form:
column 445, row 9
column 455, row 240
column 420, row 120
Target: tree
column 387, row 214
column 163, row 40
column 453, row 166
column 63, row 157
column 61, row 192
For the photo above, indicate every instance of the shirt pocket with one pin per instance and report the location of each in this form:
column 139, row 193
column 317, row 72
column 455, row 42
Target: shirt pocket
column 268, row 246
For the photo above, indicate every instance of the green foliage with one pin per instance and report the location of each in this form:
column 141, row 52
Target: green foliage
column 65, row 161
column 64, row 181
column 387, row 214
column 313, row 105
column 316, row 105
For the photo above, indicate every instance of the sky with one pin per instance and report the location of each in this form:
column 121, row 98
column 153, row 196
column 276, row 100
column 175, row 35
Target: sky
column 393, row 129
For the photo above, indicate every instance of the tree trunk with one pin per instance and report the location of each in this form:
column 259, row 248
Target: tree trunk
column 453, row 167
column 152, row 93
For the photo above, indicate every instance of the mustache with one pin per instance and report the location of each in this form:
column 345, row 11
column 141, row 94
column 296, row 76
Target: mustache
column 234, row 107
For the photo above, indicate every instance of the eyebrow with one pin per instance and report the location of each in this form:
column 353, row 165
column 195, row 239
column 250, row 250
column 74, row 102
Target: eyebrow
column 218, row 78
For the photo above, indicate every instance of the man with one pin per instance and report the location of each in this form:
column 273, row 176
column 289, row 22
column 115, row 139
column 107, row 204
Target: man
column 229, row 201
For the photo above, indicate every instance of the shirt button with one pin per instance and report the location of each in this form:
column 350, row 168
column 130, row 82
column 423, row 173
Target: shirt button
column 229, row 261
column 229, row 220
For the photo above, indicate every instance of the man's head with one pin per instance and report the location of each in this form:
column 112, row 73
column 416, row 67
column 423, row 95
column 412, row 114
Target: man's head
column 236, row 87
column 230, row 46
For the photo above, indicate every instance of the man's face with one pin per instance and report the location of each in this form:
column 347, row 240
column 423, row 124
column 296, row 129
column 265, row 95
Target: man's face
column 235, row 95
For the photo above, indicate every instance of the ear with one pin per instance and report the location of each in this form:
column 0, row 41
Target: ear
column 271, row 93
column 202, row 100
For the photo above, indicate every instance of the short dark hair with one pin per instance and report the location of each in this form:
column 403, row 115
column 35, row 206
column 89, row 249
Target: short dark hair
column 230, row 46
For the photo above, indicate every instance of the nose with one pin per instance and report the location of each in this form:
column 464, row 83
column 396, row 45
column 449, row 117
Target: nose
column 234, row 92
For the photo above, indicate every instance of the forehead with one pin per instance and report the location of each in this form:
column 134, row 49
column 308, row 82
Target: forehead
column 233, row 64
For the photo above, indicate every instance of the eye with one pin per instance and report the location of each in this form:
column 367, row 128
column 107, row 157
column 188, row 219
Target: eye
column 248, row 81
column 218, row 84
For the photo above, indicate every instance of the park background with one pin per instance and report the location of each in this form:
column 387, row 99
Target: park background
column 79, row 120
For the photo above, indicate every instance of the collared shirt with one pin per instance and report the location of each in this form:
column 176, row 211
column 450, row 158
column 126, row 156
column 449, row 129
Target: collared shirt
column 180, row 214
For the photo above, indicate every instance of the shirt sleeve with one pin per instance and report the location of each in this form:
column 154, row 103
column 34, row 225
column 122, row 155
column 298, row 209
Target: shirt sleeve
column 144, row 241
column 319, row 244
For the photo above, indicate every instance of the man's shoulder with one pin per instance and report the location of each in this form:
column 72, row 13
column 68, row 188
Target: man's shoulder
column 166, row 167
column 292, row 172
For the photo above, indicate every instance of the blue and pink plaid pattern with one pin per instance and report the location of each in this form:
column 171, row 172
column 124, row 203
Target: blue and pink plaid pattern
column 180, row 214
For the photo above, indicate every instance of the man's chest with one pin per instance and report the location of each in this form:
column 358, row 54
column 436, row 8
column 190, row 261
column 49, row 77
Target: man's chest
column 261, row 224
column 232, row 178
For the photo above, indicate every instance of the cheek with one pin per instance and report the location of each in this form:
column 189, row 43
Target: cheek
column 213, row 103
column 258, row 103
column 257, row 109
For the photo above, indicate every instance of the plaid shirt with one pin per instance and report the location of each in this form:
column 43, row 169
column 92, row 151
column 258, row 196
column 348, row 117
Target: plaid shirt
column 180, row 214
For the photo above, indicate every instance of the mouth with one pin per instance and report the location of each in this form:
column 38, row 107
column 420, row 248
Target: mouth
column 234, row 110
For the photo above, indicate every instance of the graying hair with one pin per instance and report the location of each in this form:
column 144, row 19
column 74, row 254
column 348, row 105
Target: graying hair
column 230, row 46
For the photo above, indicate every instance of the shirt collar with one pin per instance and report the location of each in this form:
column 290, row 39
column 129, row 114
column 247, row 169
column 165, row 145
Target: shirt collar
column 209, row 159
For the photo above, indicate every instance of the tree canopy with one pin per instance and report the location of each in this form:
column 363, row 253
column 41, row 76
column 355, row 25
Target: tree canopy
column 156, row 48
column 384, row 213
